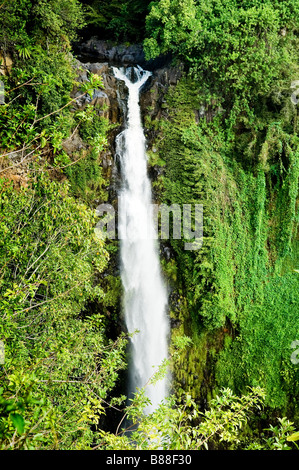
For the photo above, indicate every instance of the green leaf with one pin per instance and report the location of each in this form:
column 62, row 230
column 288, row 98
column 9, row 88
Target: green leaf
column 293, row 437
column 18, row 422
column 43, row 142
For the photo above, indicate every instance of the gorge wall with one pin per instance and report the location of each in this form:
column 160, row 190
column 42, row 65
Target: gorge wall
column 205, row 288
column 96, row 57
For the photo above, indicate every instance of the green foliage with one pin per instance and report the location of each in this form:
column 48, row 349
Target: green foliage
column 238, row 50
column 58, row 18
column 52, row 326
column 37, row 119
column 27, row 23
column 117, row 20
column 55, row 355
column 262, row 355
column 86, row 176
column 182, row 426
column 238, row 281
column 38, row 88
column 236, row 298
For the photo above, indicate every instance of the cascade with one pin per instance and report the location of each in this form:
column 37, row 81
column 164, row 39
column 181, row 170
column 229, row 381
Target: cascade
column 145, row 295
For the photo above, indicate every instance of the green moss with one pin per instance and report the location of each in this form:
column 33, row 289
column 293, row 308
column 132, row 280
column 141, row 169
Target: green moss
column 239, row 299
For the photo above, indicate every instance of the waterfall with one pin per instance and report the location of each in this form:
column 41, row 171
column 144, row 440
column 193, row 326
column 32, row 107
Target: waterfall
column 145, row 295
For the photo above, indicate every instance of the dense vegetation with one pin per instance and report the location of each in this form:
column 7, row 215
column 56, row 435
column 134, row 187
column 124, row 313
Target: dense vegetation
column 228, row 140
column 59, row 363
column 115, row 20
column 230, row 143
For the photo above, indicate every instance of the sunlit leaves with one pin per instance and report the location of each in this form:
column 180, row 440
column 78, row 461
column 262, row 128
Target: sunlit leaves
column 49, row 259
column 181, row 425
column 238, row 48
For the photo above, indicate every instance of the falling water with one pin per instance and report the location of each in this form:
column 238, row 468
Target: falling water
column 145, row 296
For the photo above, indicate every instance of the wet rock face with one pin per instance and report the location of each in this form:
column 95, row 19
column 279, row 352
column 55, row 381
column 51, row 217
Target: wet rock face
column 105, row 98
column 151, row 97
column 153, row 93
column 114, row 54
column 97, row 50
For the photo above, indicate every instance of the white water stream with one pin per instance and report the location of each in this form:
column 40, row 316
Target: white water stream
column 145, row 295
